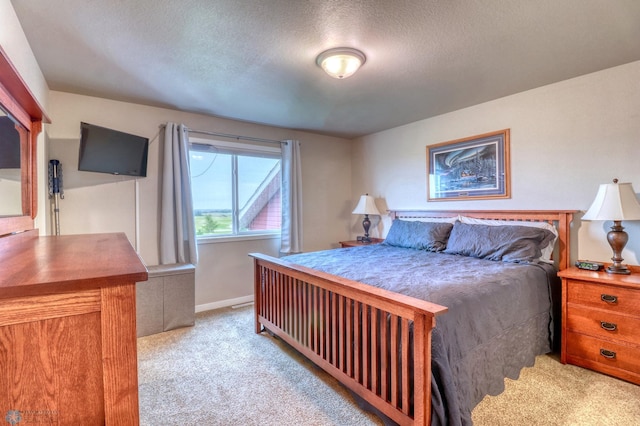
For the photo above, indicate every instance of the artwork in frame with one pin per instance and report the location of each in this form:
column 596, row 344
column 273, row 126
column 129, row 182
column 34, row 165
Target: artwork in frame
column 473, row 168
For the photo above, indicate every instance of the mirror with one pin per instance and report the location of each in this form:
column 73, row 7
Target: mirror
column 21, row 115
column 11, row 135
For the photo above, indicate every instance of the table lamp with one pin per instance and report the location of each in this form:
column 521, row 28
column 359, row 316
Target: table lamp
column 617, row 202
column 366, row 206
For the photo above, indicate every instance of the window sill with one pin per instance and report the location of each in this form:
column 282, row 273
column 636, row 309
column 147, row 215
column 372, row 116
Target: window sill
column 237, row 238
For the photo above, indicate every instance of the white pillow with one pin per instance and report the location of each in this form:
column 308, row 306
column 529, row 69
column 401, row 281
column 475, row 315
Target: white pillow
column 452, row 219
column 547, row 252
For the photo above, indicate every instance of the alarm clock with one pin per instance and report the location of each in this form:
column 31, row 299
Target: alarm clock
column 589, row 265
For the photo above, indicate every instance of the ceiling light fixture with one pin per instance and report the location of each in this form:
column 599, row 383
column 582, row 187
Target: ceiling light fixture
column 341, row 62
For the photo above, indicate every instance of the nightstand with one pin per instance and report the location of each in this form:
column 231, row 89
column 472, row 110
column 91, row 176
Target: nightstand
column 601, row 322
column 355, row 243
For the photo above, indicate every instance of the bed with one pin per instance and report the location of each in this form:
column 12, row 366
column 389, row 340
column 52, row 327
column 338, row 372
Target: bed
column 368, row 315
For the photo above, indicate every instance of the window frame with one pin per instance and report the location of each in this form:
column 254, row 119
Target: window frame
column 236, row 149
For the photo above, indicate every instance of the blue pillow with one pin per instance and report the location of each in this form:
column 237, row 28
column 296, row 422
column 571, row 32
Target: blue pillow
column 519, row 244
column 429, row 236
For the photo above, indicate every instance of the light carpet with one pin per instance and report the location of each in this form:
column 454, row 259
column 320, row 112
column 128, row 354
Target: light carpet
column 220, row 372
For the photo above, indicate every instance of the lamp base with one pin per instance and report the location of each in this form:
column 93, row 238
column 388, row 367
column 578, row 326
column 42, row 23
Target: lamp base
column 617, row 238
column 618, row 270
column 366, row 223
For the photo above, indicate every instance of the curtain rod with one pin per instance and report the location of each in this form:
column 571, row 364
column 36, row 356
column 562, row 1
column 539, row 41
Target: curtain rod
column 226, row 135
column 230, row 136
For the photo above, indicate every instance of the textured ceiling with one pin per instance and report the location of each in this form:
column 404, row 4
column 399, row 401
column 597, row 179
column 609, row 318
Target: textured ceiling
column 254, row 60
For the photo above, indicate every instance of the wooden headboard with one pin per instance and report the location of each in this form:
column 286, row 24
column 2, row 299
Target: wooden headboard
column 561, row 219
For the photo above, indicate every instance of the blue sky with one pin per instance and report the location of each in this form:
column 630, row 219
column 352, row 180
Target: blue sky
column 211, row 178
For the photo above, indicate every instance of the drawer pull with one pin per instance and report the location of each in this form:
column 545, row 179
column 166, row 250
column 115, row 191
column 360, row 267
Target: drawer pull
column 608, row 298
column 609, row 326
column 607, row 354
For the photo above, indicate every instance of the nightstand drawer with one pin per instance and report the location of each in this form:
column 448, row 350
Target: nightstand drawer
column 605, row 324
column 604, row 297
column 600, row 352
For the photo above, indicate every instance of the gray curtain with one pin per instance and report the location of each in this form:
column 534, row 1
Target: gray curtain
column 177, row 225
column 291, row 198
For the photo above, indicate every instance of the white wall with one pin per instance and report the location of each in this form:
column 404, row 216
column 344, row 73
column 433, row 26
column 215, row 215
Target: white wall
column 566, row 139
column 225, row 270
column 15, row 45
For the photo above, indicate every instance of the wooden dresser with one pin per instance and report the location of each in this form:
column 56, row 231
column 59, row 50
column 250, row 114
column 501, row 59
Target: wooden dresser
column 68, row 329
column 601, row 322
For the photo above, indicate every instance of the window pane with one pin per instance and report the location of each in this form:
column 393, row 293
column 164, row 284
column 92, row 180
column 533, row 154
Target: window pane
column 211, row 181
column 258, row 193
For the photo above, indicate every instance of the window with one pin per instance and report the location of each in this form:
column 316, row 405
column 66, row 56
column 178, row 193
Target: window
column 236, row 188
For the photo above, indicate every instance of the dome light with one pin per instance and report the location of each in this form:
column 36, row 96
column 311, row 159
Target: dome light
column 341, row 62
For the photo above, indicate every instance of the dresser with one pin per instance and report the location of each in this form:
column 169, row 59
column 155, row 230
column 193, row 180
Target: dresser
column 68, row 329
column 601, row 322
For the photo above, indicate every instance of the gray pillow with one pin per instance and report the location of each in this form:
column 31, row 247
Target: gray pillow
column 429, row 236
column 519, row 244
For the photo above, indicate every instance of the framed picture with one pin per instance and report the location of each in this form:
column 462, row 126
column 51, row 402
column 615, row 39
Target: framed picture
column 475, row 168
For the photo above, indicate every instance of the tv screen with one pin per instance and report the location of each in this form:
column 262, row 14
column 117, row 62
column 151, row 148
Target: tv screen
column 9, row 144
column 104, row 150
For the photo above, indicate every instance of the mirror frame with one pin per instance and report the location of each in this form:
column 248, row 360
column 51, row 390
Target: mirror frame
column 18, row 101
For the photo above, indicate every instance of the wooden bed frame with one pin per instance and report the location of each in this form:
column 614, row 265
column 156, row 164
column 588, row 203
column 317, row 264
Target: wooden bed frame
column 335, row 322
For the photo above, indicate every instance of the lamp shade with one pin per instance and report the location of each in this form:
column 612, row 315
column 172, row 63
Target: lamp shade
column 366, row 205
column 614, row 201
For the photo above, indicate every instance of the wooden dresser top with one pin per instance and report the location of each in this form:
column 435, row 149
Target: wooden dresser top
column 32, row 264
column 601, row 277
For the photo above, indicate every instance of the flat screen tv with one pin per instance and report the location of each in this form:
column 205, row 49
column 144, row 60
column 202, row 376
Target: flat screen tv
column 104, row 150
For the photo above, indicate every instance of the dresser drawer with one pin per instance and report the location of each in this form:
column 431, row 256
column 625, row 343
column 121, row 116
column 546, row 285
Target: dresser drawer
column 605, row 324
column 604, row 297
column 593, row 350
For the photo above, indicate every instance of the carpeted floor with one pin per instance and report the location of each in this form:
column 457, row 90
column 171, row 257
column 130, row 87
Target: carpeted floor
column 221, row 373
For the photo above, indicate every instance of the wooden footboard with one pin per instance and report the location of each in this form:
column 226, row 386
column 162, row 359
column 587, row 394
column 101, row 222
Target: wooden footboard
column 357, row 333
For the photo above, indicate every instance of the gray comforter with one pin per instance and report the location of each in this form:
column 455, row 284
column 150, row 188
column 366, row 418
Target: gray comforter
column 499, row 318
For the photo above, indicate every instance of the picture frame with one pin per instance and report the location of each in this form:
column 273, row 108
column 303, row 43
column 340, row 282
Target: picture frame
column 472, row 168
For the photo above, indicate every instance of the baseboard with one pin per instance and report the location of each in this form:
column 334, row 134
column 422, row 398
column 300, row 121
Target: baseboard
column 224, row 303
